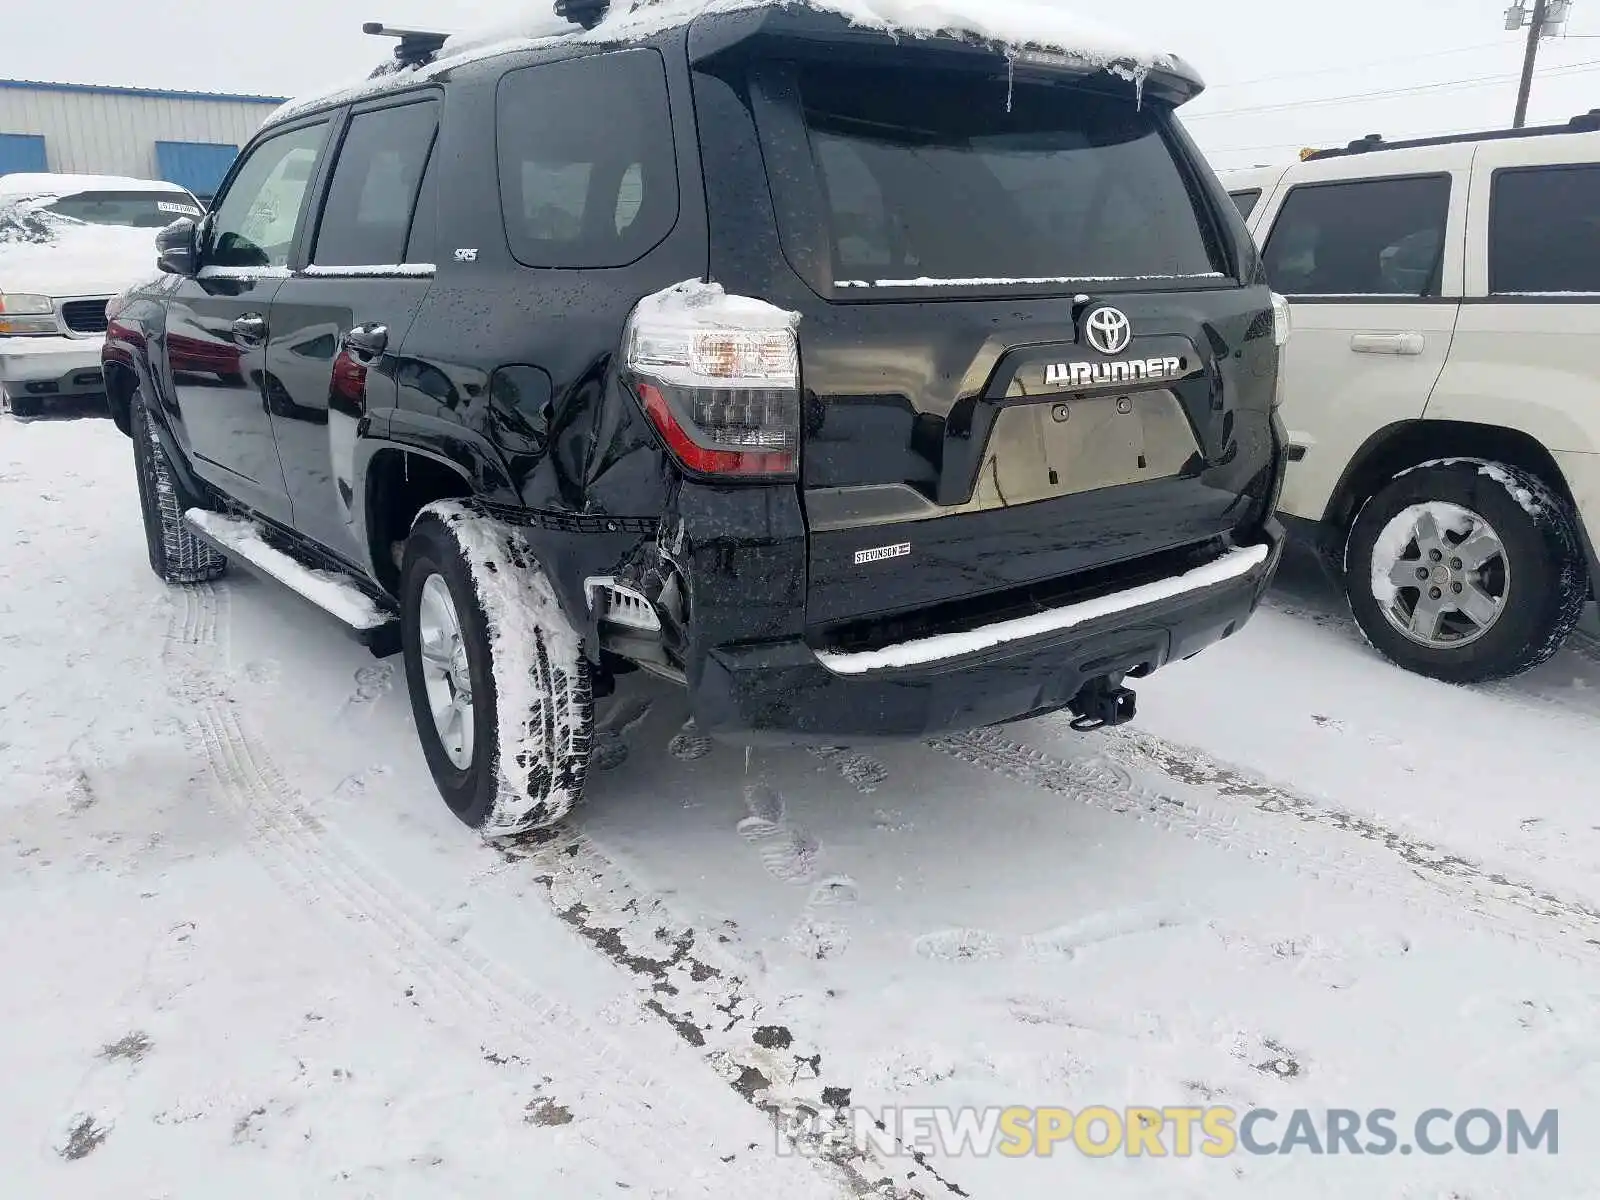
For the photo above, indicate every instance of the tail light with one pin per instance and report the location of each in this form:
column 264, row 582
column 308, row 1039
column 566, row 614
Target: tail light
column 719, row 378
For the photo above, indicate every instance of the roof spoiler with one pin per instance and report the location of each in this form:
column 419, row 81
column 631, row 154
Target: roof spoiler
column 800, row 29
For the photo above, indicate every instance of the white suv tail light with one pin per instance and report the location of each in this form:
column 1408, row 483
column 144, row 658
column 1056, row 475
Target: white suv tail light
column 719, row 378
column 1282, row 326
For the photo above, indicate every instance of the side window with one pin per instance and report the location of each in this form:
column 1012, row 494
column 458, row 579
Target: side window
column 1246, row 201
column 367, row 217
column 422, row 241
column 588, row 170
column 1373, row 237
column 1544, row 230
column 255, row 222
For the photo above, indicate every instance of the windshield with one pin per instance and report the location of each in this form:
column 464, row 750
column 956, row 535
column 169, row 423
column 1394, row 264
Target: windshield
column 945, row 178
column 136, row 210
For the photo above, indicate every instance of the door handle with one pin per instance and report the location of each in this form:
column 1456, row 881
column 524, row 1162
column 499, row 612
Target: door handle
column 1388, row 343
column 250, row 329
column 367, row 341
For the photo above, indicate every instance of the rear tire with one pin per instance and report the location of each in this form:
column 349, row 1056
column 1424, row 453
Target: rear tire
column 176, row 555
column 1451, row 616
column 24, row 406
column 500, row 689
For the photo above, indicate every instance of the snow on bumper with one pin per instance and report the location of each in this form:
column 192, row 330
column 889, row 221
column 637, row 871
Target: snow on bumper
column 781, row 693
column 48, row 359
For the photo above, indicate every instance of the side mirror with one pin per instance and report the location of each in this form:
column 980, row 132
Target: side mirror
column 178, row 248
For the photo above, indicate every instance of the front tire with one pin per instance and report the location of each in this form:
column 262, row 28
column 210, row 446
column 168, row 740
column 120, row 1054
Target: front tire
column 176, row 555
column 1466, row 571
column 500, row 689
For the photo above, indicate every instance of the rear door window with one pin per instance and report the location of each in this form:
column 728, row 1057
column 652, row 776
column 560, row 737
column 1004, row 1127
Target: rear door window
column 930, row 178
column 1544, row 231
column 588, row 169
column 367, row 217
column 1370, row 237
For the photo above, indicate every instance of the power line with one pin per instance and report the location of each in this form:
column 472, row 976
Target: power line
column 1385, row 93
column 1346, row 69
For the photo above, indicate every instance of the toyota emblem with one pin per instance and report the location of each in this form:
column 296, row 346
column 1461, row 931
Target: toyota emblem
column 1109, row 331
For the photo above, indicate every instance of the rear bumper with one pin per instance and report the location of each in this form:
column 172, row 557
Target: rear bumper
column 50, row 365
column 784, row 693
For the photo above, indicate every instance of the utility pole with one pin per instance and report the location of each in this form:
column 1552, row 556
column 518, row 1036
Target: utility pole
column 1547, row 20
column 1525, row 90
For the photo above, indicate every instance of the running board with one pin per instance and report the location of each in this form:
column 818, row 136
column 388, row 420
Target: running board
column 239, row 540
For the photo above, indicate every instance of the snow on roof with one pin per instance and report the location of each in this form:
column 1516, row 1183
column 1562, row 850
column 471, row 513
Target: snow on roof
column 1016, row 24
column 1037, row 24
column 29, row 183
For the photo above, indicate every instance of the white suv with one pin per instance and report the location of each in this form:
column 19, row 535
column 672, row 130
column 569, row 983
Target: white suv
column 68, row 244
column 1442, row 386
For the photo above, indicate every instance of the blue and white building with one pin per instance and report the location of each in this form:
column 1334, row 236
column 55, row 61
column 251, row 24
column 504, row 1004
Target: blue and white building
column 187, row 138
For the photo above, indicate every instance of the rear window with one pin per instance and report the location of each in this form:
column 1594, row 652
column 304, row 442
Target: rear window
column 136, row 210
column 934, row 178
column 588, row 170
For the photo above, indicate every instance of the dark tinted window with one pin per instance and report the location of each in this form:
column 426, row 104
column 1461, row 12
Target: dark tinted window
column 368, row 214
column 254, row 225
column 932, row 176
column 588, row 172
column 138, row 210
column 425, row 221
column 1247, row 201
column 1544, row 230
column 1375, row 237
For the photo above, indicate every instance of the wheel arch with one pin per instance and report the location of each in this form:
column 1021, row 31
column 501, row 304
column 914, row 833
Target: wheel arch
column 398, row 481
column 121, row 381
column 1406, row 444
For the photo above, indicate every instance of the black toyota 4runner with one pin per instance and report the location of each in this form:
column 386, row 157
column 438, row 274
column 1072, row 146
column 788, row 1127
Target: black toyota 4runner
column 867, row 387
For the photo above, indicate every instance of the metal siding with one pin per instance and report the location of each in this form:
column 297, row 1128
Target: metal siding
column 198, row 166
column 22, row 152
column 116, row 134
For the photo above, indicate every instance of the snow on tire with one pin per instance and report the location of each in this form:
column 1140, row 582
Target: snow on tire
column 499, row 684
column 176, row 555
column 1466, row 570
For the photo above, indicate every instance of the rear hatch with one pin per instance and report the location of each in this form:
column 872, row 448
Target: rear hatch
column 1029, row 364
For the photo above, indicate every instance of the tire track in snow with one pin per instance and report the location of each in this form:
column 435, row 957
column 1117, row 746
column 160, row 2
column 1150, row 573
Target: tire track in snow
column 699, row 989
column 1475, row 898
column 634, row 1127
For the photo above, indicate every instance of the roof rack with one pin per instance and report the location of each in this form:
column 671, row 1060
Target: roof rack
column 587, row 13
column 416, row 46
column 1584, row 123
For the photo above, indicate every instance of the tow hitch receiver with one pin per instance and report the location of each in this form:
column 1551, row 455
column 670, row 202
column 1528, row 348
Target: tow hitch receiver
column 1103, row 703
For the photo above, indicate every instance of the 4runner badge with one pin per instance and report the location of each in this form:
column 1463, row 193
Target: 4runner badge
column 1083, row 374
column 881, row 553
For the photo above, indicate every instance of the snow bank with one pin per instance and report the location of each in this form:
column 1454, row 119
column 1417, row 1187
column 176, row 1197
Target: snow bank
column 1016, row 25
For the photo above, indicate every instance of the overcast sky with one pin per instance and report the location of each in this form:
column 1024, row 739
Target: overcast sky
column 1280, row 74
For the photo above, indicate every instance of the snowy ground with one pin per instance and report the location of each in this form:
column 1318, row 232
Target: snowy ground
column 248, row 952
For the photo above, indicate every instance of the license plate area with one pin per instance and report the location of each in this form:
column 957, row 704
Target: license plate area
column 1073, row 444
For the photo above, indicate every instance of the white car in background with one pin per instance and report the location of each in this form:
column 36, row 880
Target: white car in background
column 68, row 244
column 1441, row 390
